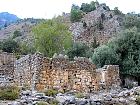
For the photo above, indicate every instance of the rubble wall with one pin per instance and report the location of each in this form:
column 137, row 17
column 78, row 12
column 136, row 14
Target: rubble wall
column 6, row 68
column 58, row 72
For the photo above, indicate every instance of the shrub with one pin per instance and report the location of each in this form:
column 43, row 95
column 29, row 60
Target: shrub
column 16, row 34
column 79, row 95
column 50, row 92
column 79, row 50
column 104, row 55
column 117, row 11
column 76, row 14
column 9, row 93
column 53, row 102
column 42, row 103
column 26, row 87
column 10, row 45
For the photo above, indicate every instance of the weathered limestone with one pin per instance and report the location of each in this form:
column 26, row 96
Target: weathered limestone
column 27, row 69
column 58, row 72
column 108, row 77
column 63, row 74
column 39, row 72
column 6, row 68
column 101, row 24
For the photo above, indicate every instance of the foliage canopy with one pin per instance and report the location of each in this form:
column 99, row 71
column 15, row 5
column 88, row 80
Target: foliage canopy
column 52, row 37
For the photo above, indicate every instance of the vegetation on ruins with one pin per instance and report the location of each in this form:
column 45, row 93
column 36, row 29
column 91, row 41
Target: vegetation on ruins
column 76, row 13
column 85, row 7
column 117, row 11
column 52, row 37
column 25, row 49
column 53, row 102
column 50, row 92
column 9, row 93
column 79, row 95
column 123, row 50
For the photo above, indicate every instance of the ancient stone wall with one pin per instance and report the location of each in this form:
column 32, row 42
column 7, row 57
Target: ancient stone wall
column 6, row 68
column 108, row 77
column 40, row 72
column 61, row 74
column 27, row 68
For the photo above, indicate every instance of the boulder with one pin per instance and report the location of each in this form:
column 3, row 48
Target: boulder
column 122, row 100
column 108, row 98
column 65, row 98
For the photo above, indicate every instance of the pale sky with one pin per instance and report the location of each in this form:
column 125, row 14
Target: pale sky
column 50, row 8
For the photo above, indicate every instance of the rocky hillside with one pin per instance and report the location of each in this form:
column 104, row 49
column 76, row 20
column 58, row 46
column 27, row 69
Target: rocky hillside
column 100, row 24
column 23, row 26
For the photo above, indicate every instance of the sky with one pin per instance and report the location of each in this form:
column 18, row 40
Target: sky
column 50, row 8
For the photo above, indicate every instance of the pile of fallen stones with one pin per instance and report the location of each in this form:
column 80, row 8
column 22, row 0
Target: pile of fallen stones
column 112, row 97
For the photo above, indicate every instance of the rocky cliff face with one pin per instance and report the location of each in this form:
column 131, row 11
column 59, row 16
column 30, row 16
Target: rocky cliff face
column 101, row 24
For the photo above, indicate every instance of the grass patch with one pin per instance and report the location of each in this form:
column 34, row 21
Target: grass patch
column 79, row 95
column 9, row 93
column 51, row 92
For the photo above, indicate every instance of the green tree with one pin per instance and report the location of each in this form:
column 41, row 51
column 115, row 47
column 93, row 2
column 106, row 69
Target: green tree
column 104, row 55
column 127, row 46
column 131, row 20
column 79, row 50
column 52, row 37
column 94, row 44
column 85, row 7
column 124, row 50
column 76, row 13
column 10, row 46
column 117, row 11
column 16, row 33
column 26, row 49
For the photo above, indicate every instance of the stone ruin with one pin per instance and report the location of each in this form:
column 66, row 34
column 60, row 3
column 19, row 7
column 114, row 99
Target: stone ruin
column 6, row 68
column 58, row 72
column 39, row 73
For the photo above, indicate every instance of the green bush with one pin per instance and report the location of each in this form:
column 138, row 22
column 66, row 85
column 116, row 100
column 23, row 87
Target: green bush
column 42, row 103
column 76, row 14
column 79, row 50
column 16, row 34
column 53, row 102
column 9, row 93
column 85, row 7
column 50, row 92
column 117, row 11
column 10, row 46
column 79, row 95
column 26, row 87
